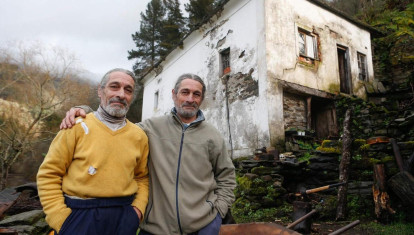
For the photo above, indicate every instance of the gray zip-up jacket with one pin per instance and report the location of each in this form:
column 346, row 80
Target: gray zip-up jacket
column 192, row 177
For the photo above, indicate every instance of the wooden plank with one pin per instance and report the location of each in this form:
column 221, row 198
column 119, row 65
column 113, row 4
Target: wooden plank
column 402, row 184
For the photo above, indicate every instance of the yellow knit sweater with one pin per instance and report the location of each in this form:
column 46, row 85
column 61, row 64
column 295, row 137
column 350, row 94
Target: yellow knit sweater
column 91, row 161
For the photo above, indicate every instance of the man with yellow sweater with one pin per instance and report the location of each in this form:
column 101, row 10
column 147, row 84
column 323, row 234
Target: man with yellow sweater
column 94, row 179
column 192, row 178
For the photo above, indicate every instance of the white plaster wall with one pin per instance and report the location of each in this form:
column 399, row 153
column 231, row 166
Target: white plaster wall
column 282, row 20
column 241, row 24
column 266, row 31
column 284, row 17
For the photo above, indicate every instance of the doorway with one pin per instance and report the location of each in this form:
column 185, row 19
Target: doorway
column 343, row 66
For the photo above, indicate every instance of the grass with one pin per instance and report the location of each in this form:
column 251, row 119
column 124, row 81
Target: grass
column 394, row 228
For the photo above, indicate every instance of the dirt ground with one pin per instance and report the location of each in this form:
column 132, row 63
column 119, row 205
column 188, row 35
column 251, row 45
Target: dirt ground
column 329, row 227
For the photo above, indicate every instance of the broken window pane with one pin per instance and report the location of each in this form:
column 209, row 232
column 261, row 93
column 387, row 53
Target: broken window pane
column 302, row 47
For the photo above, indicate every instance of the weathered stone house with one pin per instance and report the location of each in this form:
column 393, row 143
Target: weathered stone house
column 269, row 66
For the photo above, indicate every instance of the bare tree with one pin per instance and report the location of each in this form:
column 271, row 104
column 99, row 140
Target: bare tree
column 36, row 85
column 344, row 166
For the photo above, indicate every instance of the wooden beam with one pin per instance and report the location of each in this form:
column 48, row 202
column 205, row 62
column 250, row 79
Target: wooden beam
column 296, row 88
column 309, row 113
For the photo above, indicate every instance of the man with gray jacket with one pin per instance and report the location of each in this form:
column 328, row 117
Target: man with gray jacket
column 192, row 177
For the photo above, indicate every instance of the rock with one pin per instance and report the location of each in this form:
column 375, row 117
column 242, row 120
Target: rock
column 41, row 225
column 251, row 176
column 24, row 229
column 249, row 164
column 267, row 178
column 29, row 217
column 323, row 166
column 262, row 170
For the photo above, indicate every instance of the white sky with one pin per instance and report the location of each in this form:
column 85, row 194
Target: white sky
column 98, row 32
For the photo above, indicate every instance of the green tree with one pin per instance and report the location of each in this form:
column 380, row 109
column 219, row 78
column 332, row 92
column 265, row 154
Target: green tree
column 395, row 50
column 174, row 26
column 199, row 11
column 361, row 9
column 149, row 37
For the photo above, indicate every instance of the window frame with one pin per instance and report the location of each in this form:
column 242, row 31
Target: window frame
column 310, row 44
column 225, row 66
column 362, row 66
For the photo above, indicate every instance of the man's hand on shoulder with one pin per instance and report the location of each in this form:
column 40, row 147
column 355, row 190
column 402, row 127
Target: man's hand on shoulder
column 69, row 120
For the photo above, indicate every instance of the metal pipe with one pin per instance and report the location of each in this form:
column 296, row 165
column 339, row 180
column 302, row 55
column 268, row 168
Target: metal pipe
column 301, row 219
column 343, row 229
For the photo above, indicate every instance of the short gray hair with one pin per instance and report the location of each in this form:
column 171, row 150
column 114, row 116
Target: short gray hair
column 192, row 77
column 105, row 79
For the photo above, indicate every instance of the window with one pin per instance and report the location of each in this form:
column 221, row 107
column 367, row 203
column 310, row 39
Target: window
column 308, row 46
column 362, row 66
column 156, row 94
column 225, row 61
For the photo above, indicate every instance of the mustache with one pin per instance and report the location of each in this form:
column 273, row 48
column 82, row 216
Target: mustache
column 186, row 104
column 117, row 100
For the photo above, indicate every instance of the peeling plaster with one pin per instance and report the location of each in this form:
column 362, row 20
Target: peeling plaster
column 241, row 86
column 222, row 41
column 212, row 32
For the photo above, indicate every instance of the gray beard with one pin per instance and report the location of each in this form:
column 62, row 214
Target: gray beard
column 115, row 111
column 186, row 114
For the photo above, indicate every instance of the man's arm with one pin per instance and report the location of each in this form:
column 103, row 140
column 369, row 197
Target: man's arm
column 50, row 178
column 225, row 176
column 69, row 120
column 142, row 180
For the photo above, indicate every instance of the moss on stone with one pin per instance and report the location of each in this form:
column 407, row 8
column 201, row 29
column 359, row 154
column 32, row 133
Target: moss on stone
column 365, row 147
column 374, row 160
column 239, row 159
column 387, row 159
column 333, row 88
column 329, row 146
column 329, row 150
column 409, row 144
column 274, row 193
column 257, row 191
column 244, row 183
column 359, row 142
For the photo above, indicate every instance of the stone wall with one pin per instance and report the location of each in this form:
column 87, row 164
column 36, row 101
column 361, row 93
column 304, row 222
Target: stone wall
column 294, row 111
column 267, row 183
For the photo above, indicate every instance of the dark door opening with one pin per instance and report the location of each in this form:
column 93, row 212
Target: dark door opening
column 324, row 118
column 343, row 62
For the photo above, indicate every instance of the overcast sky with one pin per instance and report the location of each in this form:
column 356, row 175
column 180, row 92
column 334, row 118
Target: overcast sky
column 98, row 32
